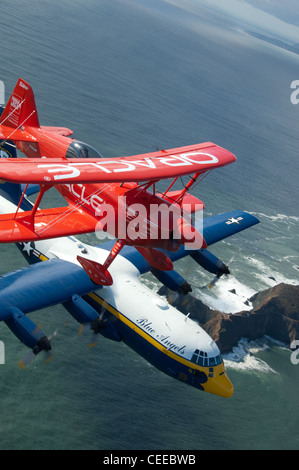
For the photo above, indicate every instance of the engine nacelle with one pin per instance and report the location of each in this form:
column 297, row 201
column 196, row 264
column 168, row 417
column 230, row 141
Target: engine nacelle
column 172, row 280
column 27, row 331
column 81, row 310
column 84, row 313
column 210, row 262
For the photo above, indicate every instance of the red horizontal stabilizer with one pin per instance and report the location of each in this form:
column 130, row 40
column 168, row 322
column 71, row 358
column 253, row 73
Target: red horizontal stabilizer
column 7, row 133
column 96, row 271
column 57, row 130
column 156, row 258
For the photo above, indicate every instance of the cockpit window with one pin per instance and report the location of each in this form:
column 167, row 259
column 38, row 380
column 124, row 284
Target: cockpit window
column 201, row 358
column 81, row 150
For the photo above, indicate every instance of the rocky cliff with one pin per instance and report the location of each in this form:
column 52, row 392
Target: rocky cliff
column 275, row 313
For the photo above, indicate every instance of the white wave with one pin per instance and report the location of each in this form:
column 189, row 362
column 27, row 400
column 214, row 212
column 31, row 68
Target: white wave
column 243, row 357
column 228, row 295
column 277, row 218
column 268, row 276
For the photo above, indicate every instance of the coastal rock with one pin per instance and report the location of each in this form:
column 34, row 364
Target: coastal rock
column 275, row 313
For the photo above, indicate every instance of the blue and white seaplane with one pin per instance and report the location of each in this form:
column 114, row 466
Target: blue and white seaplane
column 64, row 270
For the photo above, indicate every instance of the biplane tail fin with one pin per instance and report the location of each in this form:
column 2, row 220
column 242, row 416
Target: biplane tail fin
column 21, row 107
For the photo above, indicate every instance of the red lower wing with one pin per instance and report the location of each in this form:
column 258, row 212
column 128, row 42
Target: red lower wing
column 47, row 223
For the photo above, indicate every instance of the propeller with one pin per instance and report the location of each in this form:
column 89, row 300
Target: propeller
column 44, row 344
column 223, row 270
column 94, row 327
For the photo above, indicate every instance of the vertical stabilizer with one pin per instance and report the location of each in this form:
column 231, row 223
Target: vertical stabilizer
column 20, row 108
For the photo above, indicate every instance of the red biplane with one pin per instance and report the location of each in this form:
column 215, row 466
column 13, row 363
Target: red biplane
column 92, row 184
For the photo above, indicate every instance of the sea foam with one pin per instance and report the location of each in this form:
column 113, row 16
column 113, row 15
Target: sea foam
column 243, row 357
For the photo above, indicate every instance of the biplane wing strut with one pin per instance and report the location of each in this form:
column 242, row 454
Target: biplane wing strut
column 29, row 219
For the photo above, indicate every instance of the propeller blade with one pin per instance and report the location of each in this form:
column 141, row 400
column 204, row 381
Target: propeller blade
column 26, row 360
column 23, row 363
column 93, row 328
column 213, row 282
column 43, row 345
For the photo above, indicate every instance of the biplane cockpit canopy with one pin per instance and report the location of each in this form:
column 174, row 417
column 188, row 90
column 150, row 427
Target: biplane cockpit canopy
column 79, row 149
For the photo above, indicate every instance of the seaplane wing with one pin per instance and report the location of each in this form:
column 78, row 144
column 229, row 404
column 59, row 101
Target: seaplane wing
column 146, row 167
column 127, row 311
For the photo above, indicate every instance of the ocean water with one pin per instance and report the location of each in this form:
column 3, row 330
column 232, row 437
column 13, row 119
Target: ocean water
column 134, row 76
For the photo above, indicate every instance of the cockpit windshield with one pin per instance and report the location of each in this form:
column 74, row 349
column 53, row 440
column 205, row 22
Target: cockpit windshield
column 79, row 149
column 201, row 358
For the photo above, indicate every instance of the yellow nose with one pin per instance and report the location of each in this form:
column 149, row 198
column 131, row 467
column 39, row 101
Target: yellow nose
column 219, row 385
